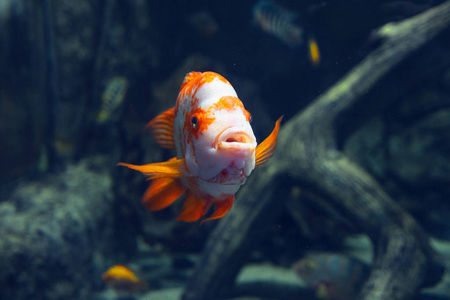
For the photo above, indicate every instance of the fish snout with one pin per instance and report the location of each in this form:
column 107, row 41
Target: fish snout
column 235, row 139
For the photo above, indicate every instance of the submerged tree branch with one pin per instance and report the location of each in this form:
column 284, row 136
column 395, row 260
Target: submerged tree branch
column 307, row 154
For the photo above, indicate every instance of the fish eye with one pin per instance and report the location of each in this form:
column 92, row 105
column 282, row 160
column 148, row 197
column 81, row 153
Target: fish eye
column 194, row 122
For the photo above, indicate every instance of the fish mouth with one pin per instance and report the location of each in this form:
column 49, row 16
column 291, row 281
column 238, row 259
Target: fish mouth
column 233, row 138
column 231, row 175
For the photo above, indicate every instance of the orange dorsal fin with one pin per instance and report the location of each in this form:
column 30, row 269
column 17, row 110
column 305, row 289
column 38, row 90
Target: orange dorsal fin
column 161, row 128
column 172, row 168
column 221, row 208
column 194, row 207
column 266, row 149
column 162, row 192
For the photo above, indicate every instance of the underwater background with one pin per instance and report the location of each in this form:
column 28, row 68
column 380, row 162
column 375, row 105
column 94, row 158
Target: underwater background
column 79, row 81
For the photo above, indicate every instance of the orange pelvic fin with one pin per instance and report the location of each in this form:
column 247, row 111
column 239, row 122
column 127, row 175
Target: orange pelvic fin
column 266, row 149
column 161, row 128
column 172, row 168
column 221, row 208
column 194, row 207
column 162, row 192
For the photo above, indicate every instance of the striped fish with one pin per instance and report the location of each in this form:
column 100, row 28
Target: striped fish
column 112, row 98
column 278, row 21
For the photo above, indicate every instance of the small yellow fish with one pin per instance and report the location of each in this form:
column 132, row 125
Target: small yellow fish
column 112, row 98
column 314, row 53
column 123, row 280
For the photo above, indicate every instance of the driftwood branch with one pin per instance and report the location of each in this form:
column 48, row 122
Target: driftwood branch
column 307, row 153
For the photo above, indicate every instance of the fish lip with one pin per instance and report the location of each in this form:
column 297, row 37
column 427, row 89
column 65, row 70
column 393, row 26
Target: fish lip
column 234, row 137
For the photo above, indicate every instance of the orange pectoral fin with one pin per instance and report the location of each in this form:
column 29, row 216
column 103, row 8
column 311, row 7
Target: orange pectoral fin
column 171, row 168
column 162, row 192
column 194, row 207
column 161, row 128
column 266, row 149
column 221, row 208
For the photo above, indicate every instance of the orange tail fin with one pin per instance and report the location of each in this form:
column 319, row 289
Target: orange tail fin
column 221, row 208
column 193, row 208
column 162, row 192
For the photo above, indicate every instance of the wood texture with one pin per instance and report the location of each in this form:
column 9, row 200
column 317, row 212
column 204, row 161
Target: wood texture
column 307, row 154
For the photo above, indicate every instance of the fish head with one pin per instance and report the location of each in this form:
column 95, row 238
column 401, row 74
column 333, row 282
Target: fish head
column 223, row 143
column 219, row 140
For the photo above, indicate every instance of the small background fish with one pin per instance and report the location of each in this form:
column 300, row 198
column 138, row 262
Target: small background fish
column 279, row 22
column 112, row 98
column 332, row 276
column 283, row 23
column 123, row 280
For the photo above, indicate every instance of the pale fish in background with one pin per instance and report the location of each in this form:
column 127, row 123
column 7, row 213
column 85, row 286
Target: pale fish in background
column 112, row 98
column 332, row 276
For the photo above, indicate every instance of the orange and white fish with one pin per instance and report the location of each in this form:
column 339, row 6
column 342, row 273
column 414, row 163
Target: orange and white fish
column 123, row 280
column 215, row 144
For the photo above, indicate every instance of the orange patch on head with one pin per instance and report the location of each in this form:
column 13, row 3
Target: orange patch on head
column 197, row 121
column 230, row 103
column 248, row 116
column 190, row 82
column 208, row 77
column 194, row 80
column 190, row 78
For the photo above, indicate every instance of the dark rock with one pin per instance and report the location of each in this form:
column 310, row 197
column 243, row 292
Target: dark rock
column 55, row 232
